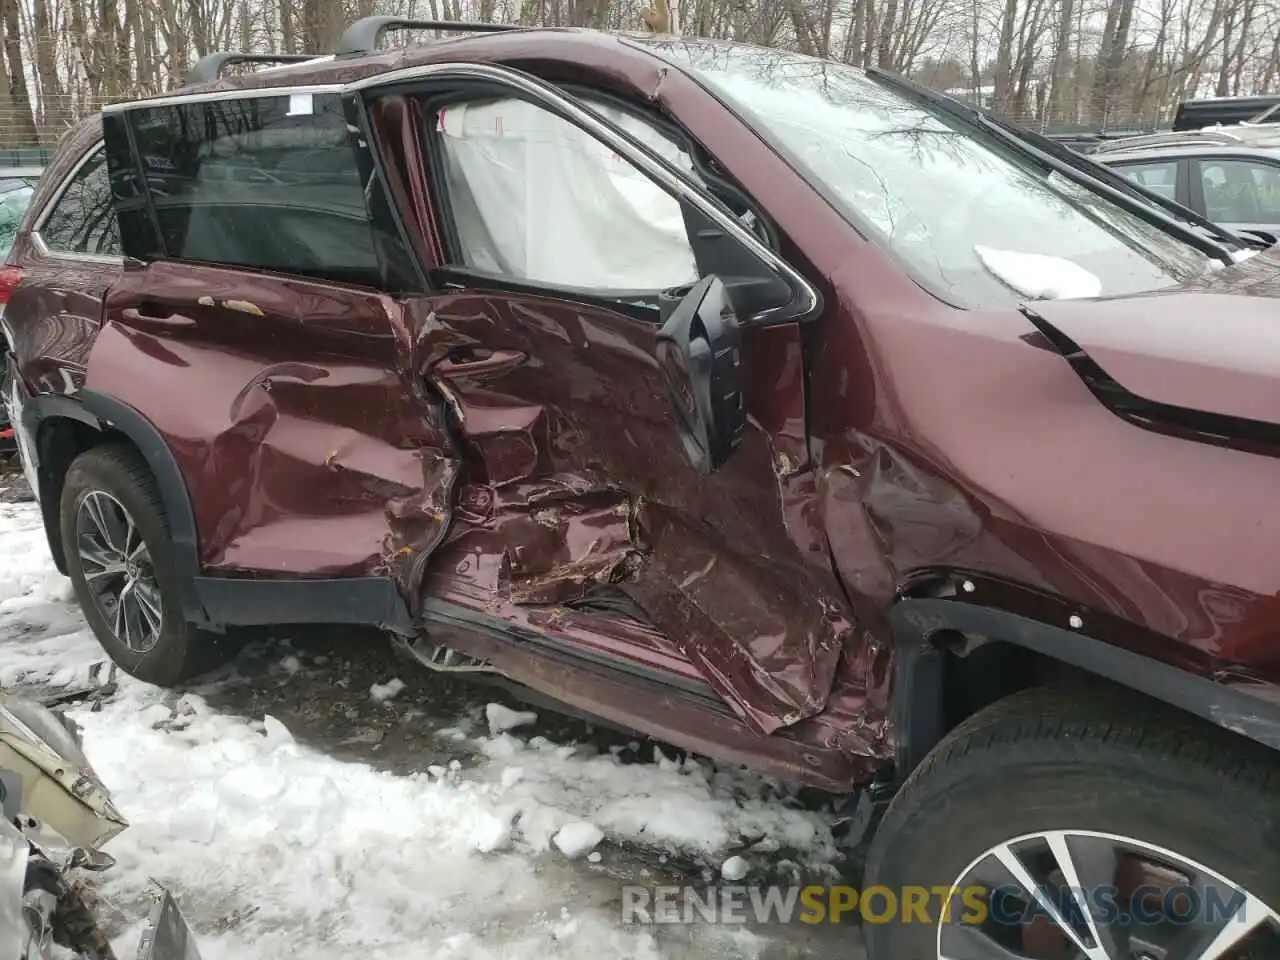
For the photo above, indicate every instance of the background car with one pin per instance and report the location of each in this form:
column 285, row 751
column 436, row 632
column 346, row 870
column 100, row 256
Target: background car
column 1198, row 114
column 17, row 186
column 1233, row 182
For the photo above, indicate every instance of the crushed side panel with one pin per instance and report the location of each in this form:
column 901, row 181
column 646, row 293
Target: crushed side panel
column 574, row 478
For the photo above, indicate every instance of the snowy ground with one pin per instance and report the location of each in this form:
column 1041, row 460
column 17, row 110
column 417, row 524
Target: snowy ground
column 323, row 799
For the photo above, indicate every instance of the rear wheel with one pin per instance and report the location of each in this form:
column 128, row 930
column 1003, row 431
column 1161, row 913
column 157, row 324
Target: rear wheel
column 120, row 559
column 1083, row 824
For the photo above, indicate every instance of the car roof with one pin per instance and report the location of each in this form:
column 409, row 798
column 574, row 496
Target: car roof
column 1236, row 135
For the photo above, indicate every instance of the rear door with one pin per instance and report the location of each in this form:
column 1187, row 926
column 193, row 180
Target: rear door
column 556, row 245
column 256, row 326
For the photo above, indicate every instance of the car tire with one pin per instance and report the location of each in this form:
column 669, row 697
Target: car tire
column 114, row 481
column 1074, row 759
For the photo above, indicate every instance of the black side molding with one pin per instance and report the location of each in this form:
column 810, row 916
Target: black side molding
column 367, row 601
column 1221, row 705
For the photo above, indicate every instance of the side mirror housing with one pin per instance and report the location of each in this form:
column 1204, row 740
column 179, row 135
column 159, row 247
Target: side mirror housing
column 700, row 357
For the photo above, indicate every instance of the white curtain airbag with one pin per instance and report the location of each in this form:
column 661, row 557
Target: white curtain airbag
column 536, row 198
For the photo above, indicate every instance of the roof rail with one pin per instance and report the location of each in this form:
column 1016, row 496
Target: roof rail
column 363, row 35
column 209, row 67
column 1188, row 138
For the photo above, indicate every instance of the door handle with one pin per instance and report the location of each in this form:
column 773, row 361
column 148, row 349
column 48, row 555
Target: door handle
column 470, row 361
column 173, row 321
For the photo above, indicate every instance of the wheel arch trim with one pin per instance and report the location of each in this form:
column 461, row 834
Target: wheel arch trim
column 919, row 697
column 101, row 412
column 211, row 603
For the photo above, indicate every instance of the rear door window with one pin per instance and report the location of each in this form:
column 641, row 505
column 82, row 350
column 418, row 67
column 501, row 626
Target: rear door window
column 266, row 182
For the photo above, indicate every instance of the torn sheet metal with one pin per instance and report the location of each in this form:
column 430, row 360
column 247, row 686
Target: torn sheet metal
column 574, row 477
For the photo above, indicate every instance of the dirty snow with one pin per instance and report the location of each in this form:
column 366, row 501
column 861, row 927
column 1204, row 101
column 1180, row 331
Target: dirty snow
column 277, row 850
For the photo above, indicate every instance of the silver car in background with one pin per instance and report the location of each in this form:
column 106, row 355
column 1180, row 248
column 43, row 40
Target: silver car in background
column 1230, row 175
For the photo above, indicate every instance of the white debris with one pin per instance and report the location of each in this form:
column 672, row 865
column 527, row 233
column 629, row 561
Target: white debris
column 502, row 719
column 734, row 869
column 594, row 856
column 575, row 839
column 290, row 664
column 382, row 692
column 1038, row 276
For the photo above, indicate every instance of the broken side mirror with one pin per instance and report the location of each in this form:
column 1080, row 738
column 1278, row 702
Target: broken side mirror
column 756, row 290
column 700, row 357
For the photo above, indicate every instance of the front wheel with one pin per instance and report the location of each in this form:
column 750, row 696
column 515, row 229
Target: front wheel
column 1069, row 824
column 119, row 554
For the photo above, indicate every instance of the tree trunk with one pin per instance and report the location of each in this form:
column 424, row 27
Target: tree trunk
column 20, row 127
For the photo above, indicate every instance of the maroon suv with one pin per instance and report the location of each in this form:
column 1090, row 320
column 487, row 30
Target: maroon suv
column 776, row 409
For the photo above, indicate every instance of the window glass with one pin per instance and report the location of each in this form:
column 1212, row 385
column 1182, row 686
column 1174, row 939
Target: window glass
column 534, row 198
column 978, row 222
column 83, row 220
column 266, row 182
column 1160, row 177
column 1241, row 191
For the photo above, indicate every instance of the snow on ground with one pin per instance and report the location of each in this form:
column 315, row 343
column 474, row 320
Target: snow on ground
column 278, row 850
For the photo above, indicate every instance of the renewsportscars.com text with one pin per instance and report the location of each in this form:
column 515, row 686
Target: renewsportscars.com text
column 979, row 905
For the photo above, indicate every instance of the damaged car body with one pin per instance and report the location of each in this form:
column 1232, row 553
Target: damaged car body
column 600, row 364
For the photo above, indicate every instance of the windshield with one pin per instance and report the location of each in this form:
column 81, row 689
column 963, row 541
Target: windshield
column 979, row 224
column 13, row 205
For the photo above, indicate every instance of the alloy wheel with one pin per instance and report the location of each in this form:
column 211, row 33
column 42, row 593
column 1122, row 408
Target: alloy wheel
column 118, row 570
column 1082, row 895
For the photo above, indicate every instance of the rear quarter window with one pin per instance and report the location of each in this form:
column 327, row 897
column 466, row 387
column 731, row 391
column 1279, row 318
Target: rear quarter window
column 82, row 220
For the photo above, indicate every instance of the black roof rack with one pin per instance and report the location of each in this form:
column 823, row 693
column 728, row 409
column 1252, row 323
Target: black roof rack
column 209, row 68
column 363, row 35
